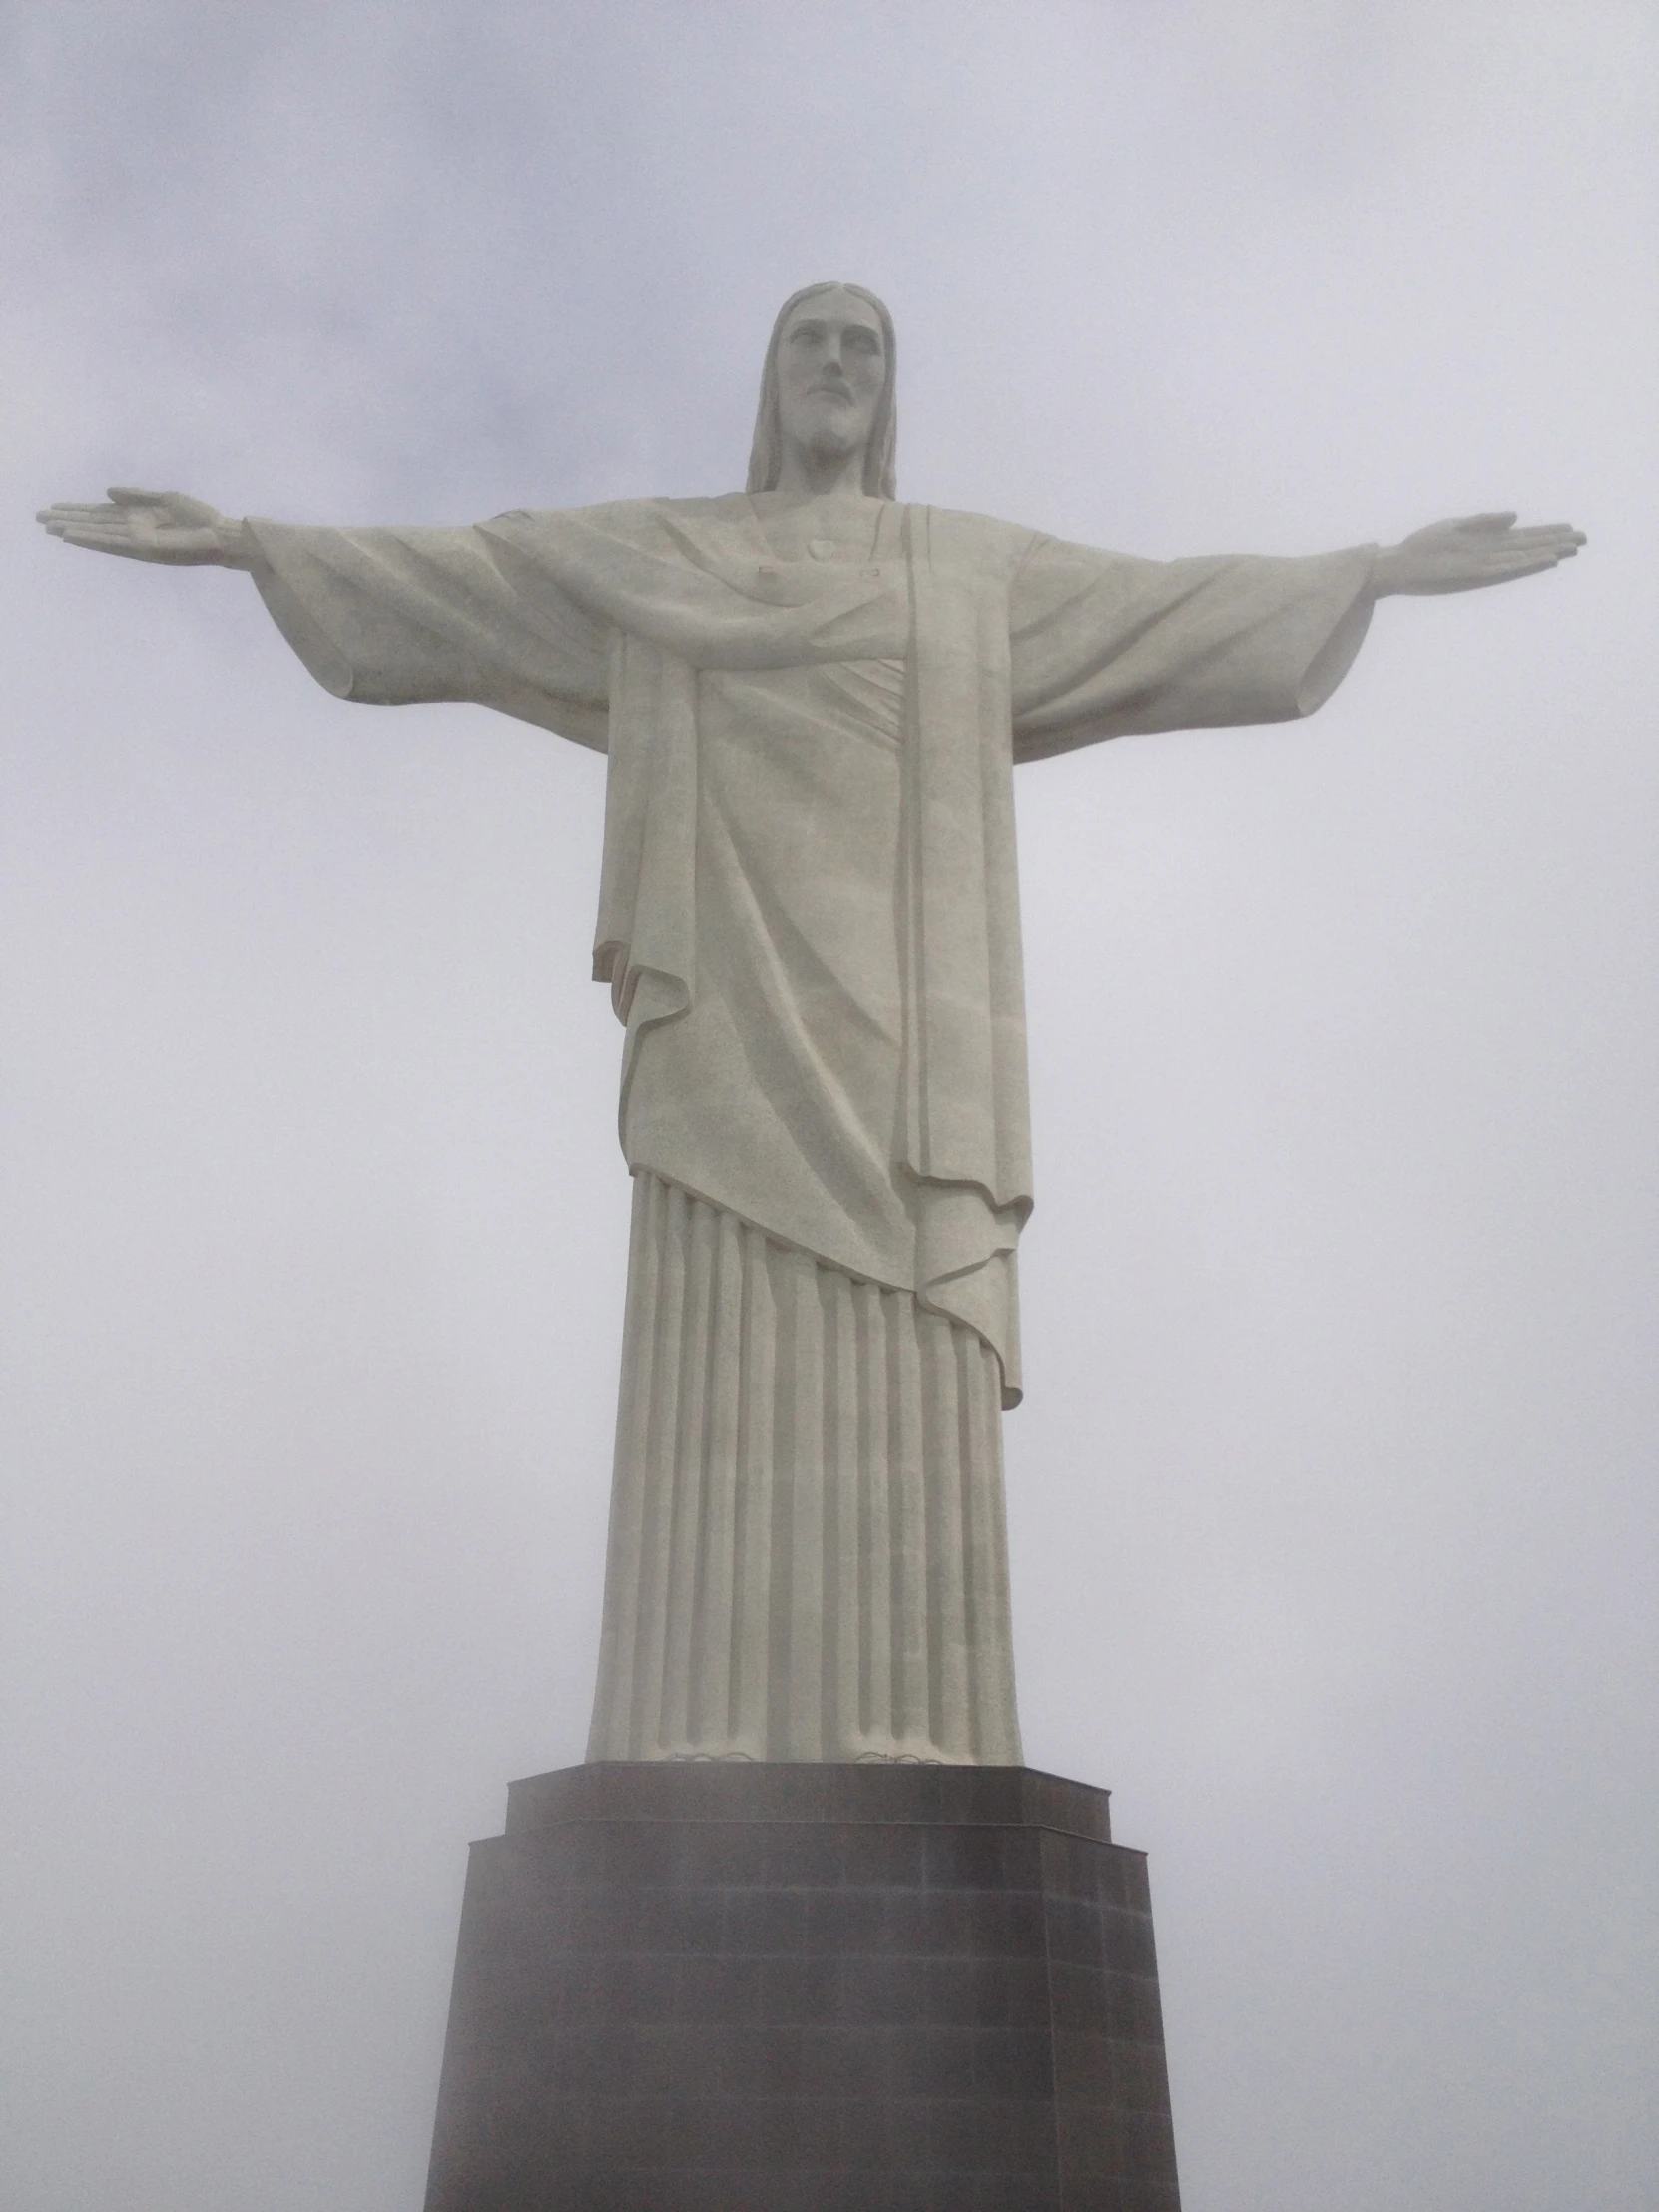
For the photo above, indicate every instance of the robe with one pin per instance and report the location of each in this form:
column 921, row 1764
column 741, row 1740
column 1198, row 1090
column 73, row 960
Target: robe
column 809, row 922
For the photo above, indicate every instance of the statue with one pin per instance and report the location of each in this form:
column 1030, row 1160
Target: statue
column 813, row 697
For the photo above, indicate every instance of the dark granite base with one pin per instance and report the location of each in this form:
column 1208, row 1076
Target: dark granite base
column 804, row 1988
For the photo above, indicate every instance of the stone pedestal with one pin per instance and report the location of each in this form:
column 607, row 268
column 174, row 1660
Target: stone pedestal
column 804, row 1988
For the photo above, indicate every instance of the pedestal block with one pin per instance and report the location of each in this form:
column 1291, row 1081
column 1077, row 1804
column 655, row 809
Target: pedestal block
column 804, row 1988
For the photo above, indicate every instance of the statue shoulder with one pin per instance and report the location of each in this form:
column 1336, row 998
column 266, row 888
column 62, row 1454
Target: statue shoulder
column 956, row 539
column 648, row 525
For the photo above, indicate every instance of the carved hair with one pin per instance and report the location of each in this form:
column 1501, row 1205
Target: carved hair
column 766, row 460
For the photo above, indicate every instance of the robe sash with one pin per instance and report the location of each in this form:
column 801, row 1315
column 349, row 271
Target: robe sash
column 965, row 1142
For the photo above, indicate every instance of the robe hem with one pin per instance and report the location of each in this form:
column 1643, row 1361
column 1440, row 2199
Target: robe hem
column 1013, row 1394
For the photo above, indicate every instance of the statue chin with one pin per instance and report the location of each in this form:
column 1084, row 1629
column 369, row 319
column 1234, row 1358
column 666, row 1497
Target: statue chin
column 831, row 445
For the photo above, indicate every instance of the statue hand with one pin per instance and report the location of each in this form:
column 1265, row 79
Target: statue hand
column 151, row 526
column 1470, row 552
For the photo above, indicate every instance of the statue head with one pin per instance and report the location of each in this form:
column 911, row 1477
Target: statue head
column 850, row 394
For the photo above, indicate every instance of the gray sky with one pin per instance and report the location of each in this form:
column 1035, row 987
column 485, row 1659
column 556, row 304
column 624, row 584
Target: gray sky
column 1333, row 1499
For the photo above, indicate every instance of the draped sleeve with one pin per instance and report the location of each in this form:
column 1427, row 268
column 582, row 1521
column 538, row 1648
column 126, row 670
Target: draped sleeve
column 395, row 616
column 1104, row 643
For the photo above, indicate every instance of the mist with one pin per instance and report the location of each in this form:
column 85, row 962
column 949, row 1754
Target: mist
column 1333, row 1496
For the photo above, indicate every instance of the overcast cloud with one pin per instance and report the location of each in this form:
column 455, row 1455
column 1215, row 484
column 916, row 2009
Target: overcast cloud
column 1333, row 1499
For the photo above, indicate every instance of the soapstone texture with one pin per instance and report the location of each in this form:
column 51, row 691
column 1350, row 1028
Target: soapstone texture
column 804, row 1988
column 813, row 697
column 771, row 1601
column 808, row 921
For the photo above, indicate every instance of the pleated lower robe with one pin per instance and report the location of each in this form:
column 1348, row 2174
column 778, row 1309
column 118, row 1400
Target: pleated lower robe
column 808, row 1557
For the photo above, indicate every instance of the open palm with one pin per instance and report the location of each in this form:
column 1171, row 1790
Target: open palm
column 166, row 526
column 1473, row 551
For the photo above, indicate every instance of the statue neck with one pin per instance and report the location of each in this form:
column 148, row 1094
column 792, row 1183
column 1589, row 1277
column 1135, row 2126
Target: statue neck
column 810, row 474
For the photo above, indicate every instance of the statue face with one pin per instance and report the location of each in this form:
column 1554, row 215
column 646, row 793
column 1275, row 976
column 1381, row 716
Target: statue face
column 832, row 368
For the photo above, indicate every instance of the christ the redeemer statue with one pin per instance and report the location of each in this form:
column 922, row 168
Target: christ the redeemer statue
column 813, row 697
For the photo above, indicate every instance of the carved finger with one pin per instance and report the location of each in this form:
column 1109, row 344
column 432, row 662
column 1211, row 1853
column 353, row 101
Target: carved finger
column 1534, row 565
column 1486, row 525
column 104, row 541
column 1521, row 556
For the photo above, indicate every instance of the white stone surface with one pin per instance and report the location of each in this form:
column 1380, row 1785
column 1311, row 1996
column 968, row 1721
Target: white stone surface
column 808, row 1554
column 812, row 698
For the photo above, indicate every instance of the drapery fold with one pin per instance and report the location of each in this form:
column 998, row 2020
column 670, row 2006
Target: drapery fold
column 607, row 624
column 965, row 1147
column 809, row 925
column 806, row 1554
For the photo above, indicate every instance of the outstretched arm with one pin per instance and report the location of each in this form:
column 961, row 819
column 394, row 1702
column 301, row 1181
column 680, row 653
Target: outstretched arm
column 164, row 526
column 1470, row 552
column 1104, row 643
column 388, row 616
